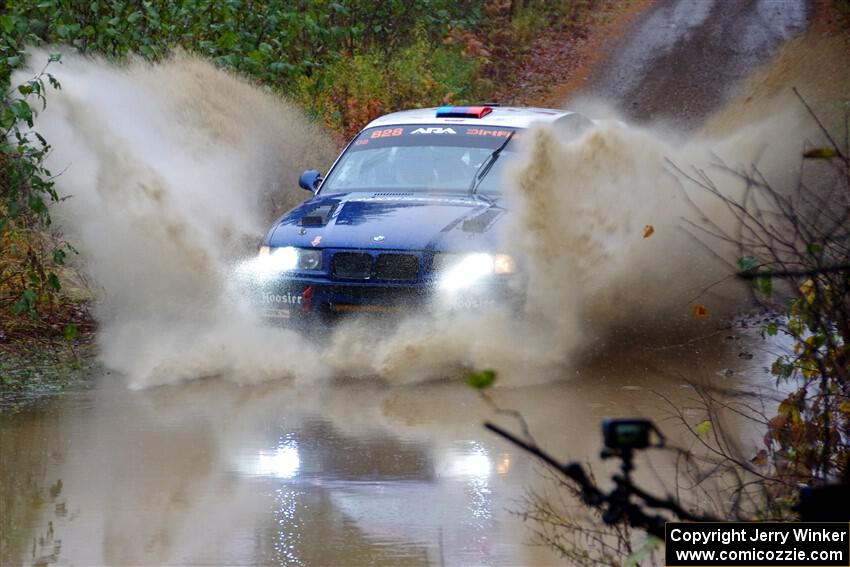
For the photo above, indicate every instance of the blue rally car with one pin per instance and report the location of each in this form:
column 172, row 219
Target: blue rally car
column 406, row 217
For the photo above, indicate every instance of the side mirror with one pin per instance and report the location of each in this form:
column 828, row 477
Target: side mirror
column 310, row 180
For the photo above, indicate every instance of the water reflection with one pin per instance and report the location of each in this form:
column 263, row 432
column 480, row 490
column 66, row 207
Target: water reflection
column 352, row 474
column 289, row 527
column 282, row 462
column 471, row 462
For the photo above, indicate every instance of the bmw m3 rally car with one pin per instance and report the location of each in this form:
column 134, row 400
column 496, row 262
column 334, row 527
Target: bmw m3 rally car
column 406, row 216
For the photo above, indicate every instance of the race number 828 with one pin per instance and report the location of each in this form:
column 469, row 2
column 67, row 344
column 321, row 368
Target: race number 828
column 387, row 133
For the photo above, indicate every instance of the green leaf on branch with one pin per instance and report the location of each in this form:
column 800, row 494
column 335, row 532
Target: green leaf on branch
column 7, row 24
column 748, row 264
column 71, row 332
column 25, row 303
column 639, row 556
column 782, row 369
column 53, row 281
column 481, row 380
column 764, row 285
column 22, row 111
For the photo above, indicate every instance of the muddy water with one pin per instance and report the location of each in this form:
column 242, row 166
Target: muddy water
column 345, row 474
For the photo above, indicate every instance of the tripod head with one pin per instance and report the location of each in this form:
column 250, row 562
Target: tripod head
column 623, row 436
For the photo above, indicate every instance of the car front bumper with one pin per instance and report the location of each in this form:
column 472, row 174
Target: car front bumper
column 304, row 299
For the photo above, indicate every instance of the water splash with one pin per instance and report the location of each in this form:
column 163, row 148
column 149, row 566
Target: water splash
column 175, row 169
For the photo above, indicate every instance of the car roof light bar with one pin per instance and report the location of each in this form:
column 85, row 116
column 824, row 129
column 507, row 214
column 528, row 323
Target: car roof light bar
column 463, row 111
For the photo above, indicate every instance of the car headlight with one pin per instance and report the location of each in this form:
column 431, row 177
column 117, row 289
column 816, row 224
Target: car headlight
column 503, row 264
column 461, row 271
column 287, row 258
column 309, row 259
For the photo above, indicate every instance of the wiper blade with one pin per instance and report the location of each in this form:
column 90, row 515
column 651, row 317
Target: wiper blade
column 486, row 198
column 485, row 166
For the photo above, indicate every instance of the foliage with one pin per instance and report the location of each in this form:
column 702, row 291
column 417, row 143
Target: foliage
column 358, row 88
column 244, row 35
column 26, row 189
column 808, row 437
column 297, row 48
column 795, row 250
column 344, row 61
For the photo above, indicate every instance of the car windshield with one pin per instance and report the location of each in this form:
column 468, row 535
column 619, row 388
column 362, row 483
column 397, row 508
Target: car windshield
column 421, row 158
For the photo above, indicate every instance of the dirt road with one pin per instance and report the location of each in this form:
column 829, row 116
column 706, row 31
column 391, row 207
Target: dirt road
column 681, row 59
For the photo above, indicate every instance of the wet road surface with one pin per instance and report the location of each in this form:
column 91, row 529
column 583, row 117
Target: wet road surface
column 344, row 474
column 681, row 59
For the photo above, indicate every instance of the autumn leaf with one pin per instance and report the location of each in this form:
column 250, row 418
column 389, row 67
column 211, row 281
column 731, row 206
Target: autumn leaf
column 821, row 153
column 808, row 291
column 648, row 231
column 760, row 459
column 700, row 311
column 809, row 369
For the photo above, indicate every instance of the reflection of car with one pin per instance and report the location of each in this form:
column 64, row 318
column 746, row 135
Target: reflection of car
column 406, row 213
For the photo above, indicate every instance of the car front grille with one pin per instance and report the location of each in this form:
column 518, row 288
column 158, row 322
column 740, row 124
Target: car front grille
column 397, row 267
column 352, row 265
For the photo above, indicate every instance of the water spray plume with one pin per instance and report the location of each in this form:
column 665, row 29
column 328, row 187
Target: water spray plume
column 173, row 173
column 175, row 170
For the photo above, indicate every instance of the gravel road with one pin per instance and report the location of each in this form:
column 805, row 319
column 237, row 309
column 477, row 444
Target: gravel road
column 681, row 59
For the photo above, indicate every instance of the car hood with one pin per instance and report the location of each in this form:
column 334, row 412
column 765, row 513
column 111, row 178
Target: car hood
column 397, row 221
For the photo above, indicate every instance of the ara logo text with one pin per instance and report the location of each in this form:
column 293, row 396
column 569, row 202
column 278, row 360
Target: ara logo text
column 434, row 130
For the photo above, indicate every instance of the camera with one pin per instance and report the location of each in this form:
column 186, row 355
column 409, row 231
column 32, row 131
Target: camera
column 627, row 433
